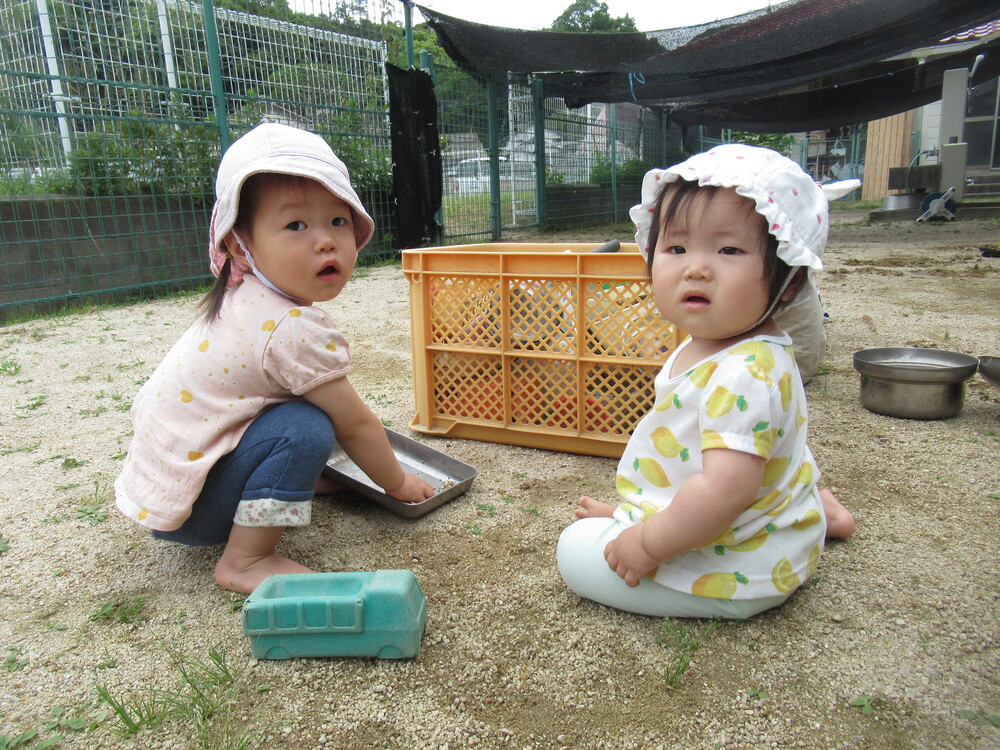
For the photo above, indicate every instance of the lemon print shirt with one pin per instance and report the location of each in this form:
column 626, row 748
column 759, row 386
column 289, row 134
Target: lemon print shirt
column 747, row 398
column 262, row 350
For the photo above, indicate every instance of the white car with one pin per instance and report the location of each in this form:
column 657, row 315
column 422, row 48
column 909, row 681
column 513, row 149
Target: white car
column 472, row 176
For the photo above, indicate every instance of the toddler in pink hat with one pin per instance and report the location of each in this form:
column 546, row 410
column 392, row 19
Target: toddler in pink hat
column 718, row 512
column 234, row 427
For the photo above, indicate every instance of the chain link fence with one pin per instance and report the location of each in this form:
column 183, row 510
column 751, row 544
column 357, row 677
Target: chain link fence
column 113, row 117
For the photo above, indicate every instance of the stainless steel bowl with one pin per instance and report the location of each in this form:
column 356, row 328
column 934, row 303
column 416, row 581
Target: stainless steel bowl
column 902, row 202
column 989, row 370
column 914, row 383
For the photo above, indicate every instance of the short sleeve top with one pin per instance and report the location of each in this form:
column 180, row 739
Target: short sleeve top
column 747, row 398
column 262, row 350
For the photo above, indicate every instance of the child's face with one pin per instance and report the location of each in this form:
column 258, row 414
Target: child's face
column 708, row 267
column 302, row 239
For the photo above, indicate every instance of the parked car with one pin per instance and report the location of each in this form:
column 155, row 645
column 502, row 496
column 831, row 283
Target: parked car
column 472, row 176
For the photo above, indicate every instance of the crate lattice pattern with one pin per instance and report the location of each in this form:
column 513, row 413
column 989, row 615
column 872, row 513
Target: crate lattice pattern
column 511, row 353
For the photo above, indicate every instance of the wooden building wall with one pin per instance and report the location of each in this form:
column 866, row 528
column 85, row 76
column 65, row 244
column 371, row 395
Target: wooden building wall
column 888, row 146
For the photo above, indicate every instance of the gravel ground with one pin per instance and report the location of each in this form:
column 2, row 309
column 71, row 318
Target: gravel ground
column 902, row 617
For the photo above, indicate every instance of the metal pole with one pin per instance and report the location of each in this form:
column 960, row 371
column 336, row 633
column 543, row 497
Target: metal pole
column 408, row 16
column 168, row 46
column 538, row 105
column 215, row 70
column 614, row 161
column 55, row 80
column 493, row 128
column 665, row 137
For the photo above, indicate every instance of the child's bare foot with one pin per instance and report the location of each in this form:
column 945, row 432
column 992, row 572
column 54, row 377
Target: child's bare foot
column 250, row 557
column 591, row 508
column 248, row 575
column 327, row 486
column 839, row 521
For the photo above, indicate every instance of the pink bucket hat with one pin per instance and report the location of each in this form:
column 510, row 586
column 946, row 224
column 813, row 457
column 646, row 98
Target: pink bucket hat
column 273, row 147
column 793, row 204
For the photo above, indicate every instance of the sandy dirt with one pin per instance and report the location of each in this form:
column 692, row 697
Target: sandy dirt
column 902, row 619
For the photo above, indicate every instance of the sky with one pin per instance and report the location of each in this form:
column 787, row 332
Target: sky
column 649, row 15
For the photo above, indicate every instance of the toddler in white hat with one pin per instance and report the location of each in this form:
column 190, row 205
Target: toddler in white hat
column 719, row 514
column 233, row 429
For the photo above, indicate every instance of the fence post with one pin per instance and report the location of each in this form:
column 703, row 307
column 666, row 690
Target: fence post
column 538, row 115
column 613, row 115
column 408, row 16
column 168, row 46
column 215, row 70
column 493, row 127
column 665, row 137
column 55, row 76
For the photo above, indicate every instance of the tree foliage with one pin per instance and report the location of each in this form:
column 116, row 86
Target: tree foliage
column 779, row 142
column 590, row 16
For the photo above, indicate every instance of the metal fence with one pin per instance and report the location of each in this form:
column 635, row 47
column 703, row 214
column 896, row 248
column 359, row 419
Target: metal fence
column 113, row 116
column 112, row 120
column 517, row 159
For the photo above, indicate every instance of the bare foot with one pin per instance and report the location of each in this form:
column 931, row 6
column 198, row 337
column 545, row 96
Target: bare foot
column 591, row 508
column 839, row 521
column 247, row 577
column 250, row 557
column 327, row 486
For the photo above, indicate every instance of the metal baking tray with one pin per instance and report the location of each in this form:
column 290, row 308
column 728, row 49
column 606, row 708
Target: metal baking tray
column 449, row 476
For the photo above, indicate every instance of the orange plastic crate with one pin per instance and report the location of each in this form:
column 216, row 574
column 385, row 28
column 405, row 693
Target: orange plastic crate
column 541, row 345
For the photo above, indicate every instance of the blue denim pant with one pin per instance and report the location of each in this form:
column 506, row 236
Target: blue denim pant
column 280, row 456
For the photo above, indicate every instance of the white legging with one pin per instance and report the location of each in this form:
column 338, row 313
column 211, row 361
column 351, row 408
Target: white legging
column 582, row 565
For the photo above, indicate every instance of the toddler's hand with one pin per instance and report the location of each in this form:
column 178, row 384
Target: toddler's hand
column 413, row 490
column 628, row 558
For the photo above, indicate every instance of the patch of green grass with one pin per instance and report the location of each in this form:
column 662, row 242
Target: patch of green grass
column 23, row 449
column 203, row 699
column 35, row 403
column 379, row 399
column 121, row 611
column 979, row 718
column 71, row 463
column 62, row 720
column 9, row 366
column 4, row 544
column 92, row 514
column 487, row 508
column 925, row 642
column 13, row 662
column 868, row 704
column 682, row 638
column 26, row 741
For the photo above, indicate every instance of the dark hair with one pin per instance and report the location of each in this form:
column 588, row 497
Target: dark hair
column 249, row 201
column 683, row 196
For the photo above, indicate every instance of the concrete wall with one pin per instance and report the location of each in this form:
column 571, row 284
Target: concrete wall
column 585, row 204
column 58, row 249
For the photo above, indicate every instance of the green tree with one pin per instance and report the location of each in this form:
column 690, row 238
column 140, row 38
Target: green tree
column 590, row 16
column 776, row 141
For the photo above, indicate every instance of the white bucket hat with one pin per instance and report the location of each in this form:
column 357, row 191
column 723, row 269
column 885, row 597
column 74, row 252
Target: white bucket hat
column 793, row 204
column 273, row 147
